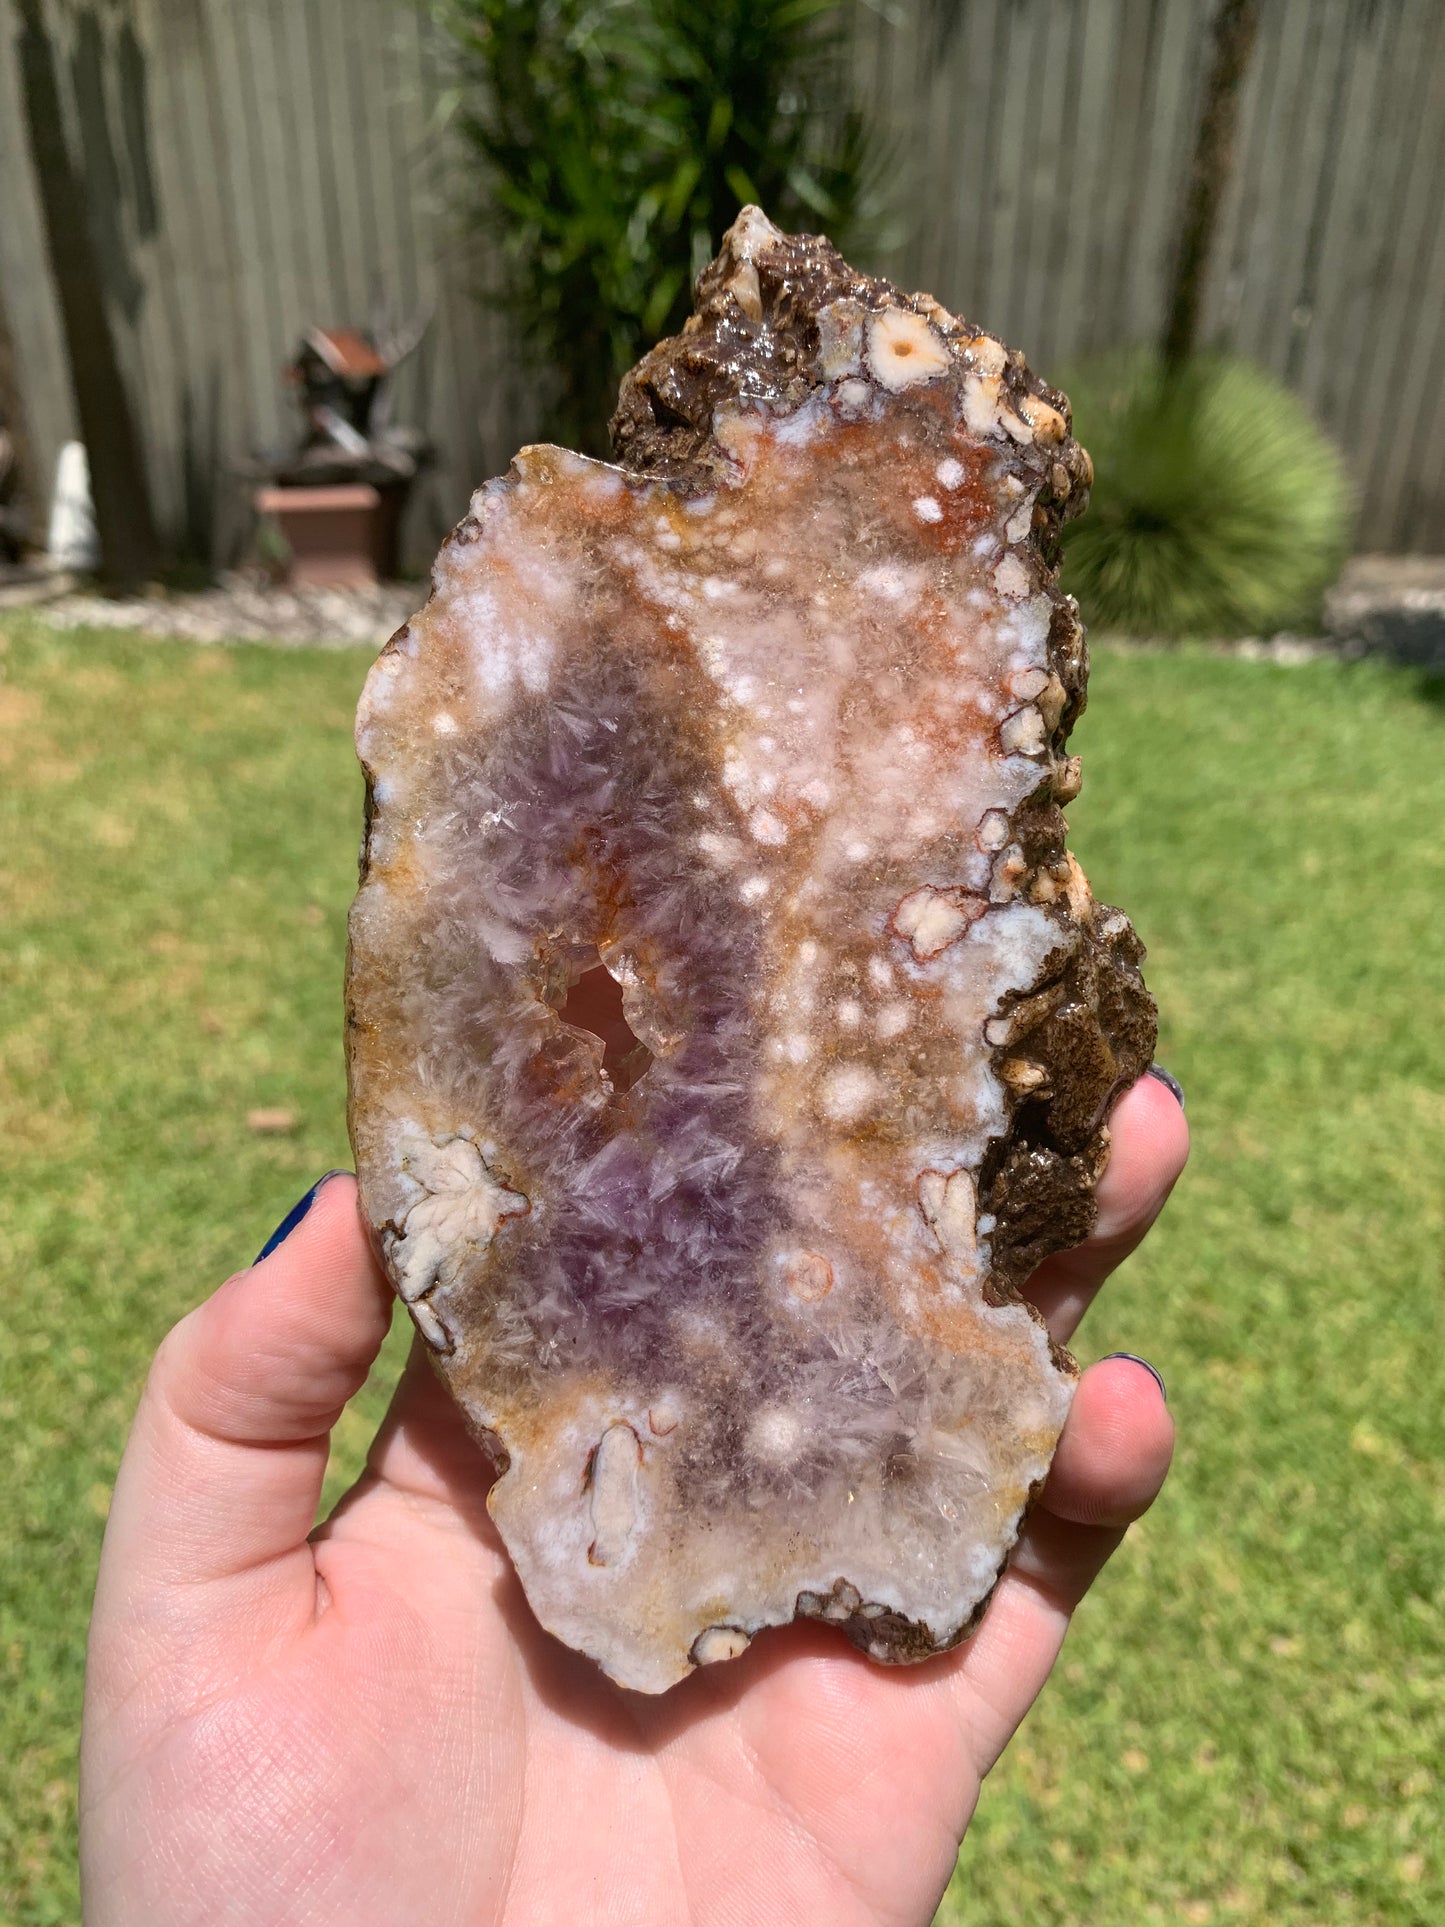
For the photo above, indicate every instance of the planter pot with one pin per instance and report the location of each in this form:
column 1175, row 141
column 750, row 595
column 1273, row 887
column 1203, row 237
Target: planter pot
column 341, row 537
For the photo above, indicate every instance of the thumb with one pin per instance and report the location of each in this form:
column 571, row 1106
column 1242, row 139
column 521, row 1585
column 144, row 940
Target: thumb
column 223, row 1471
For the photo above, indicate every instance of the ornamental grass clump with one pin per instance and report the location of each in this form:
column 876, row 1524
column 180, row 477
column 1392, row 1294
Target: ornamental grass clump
column 1219, row 507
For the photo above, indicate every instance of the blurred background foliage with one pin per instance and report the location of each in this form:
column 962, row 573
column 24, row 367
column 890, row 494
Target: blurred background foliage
column 1219, row 507
column 618, row 141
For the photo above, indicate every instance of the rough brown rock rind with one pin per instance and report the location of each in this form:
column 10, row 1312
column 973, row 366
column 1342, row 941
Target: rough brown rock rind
column 755, row 334
column 770, row 727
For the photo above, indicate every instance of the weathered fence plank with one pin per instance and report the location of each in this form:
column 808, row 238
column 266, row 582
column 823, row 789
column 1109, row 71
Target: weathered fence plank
column 25, row 272
column 259, row 165
column 1395, row 235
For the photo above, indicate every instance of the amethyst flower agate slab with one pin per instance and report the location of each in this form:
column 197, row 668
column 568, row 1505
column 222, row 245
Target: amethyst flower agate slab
column 730, row 1031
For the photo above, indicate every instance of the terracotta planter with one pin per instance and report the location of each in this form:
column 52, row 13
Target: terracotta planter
column 341, row 537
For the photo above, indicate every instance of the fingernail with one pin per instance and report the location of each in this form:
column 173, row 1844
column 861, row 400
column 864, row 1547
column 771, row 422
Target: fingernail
column 294, row 1216
column 1135, row 1359
column 1169, row 1082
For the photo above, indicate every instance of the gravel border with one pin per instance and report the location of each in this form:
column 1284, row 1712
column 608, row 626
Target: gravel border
column 1391, row 606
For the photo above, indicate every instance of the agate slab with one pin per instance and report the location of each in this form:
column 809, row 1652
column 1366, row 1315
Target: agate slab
column 730, row 1030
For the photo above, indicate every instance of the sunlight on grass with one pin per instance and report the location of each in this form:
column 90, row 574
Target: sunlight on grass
column 178, row 852
column 1251, row 1710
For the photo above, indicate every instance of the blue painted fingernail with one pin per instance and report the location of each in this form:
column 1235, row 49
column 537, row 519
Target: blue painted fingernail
column 1135, row 1359
column 1169, row 1082
column 294, row 1216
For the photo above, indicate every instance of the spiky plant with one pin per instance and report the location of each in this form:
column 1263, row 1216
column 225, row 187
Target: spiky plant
column 620, row 137
column 1219, row 507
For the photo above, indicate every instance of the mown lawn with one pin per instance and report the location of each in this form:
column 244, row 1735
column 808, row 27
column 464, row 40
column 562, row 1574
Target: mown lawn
column 1248, row 1725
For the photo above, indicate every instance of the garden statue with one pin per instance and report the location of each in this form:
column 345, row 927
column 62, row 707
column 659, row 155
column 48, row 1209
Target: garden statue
column 336, row 502
column 344, row 381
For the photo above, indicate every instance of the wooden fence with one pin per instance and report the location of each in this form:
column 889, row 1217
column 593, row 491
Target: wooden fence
column 255, row 166
column 1047, row 145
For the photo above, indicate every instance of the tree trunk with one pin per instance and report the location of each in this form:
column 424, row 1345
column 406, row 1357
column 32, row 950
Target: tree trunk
column 13, row 420
column 1236, row 27
column 129, row 550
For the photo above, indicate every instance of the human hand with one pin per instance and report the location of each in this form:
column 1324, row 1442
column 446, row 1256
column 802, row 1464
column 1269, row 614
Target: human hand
column 366, row 1725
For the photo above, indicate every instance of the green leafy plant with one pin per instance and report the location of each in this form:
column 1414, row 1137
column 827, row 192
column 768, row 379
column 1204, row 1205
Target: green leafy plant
column 620, row 137
column 1219, row 507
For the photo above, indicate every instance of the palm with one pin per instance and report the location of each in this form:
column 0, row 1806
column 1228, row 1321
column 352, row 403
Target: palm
column 845, row 1783
column 371, row 1726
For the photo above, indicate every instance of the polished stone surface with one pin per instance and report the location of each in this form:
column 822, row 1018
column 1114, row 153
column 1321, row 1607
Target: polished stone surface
column 730, row 1030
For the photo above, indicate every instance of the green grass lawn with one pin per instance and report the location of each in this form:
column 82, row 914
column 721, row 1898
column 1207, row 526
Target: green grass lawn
column 1248, row 1723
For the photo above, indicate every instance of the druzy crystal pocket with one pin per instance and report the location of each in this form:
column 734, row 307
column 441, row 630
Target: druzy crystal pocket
column 730, row 1030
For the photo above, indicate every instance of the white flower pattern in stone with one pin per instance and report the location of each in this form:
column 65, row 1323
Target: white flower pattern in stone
column 456, row 1217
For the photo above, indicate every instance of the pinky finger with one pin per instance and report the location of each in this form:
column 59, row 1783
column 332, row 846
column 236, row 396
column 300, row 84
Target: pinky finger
column 1110, row 1465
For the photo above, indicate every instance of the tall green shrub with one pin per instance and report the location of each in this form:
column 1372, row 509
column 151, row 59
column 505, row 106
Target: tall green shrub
column 1219, row 507
column 620, row 137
